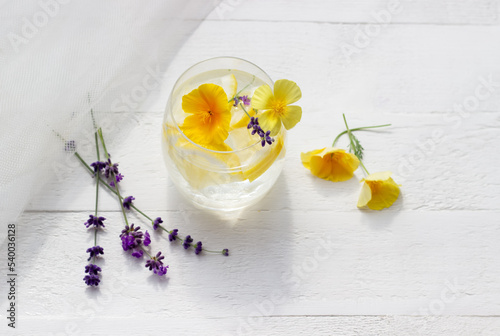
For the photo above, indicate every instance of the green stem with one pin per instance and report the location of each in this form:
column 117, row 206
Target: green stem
column 113, row 177
column 237, row 93
column 96, row 190
column 352, row 143
column 144, row 250
column 103, row 143
column 357, row 129
column 110, row 188
column 244, row 110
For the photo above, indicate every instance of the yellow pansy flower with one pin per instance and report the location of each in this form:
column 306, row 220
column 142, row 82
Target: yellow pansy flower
column 210, row 116
column 332, row 164
column 379, row 191
column 274, row 108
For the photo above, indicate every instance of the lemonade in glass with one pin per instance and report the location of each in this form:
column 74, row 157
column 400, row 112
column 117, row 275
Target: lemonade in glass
column 215, row 151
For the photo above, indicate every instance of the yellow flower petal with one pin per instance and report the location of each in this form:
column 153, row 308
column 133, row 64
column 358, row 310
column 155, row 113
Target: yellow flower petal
column 383, row 191
column 210, row 115
column 379, row 176
column 269, row 121
column 365, row 196
column 287, row 91
column 306, row 157
column 291, row 116
column 194, row 103
column 215, row 97
column 262, row 98
column 331, row 164
column 206, row 133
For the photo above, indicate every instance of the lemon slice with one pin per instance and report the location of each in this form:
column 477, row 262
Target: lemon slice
column 265, row 159
column 202, row 168
column 240, row 118
column 228, row 84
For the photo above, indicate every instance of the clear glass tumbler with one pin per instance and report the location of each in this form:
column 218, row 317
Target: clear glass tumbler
column 223, row 181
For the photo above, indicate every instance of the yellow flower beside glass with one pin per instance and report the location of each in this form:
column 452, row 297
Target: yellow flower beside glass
column 219, row 152
column 330, row 163
column 378, row 191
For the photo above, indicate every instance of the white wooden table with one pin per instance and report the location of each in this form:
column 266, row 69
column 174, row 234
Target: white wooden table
column 305, row 260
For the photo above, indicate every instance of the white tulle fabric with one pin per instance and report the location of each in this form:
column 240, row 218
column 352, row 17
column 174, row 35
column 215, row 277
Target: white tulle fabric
column 58, row 60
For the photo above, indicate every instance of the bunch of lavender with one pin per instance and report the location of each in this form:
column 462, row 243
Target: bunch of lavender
column 132, row 238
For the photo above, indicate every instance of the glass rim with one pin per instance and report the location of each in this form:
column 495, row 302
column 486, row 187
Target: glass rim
column 177, row 125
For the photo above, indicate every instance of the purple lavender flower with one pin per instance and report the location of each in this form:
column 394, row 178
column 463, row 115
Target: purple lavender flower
column 225, row 252
column 187, row 242
column 95, row 221
column 162, row 270
column 92, row 269
column 265, row 136
column 138, row 254
column 173, row 235
column 245, row 100
column 147, row 239
column 155, row 264
column 131, row 237
column 110, row 169
column 117, row 178
column 98, row 166
column 95, row 251
column 127, row 202
column 236, row 101
column 156, row 223
column 92, row 280
column 128, row 243
column 198, row 248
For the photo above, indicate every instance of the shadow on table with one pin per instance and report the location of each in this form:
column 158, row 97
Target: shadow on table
column 260, row 245
column 381, row 220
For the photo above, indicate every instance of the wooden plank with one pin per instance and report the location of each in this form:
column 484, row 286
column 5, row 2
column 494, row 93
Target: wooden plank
column 295, row 325
column 286, row 262
column 360, row 11
column 455, row 171
column 397, row 69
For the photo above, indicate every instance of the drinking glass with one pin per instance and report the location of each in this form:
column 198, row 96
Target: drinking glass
column 221, row 181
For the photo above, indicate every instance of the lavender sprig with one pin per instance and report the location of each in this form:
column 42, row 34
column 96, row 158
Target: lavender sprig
column 265, row 137
column 157, row 223
column 92, row 278
column 132, row 238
